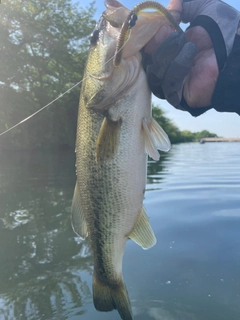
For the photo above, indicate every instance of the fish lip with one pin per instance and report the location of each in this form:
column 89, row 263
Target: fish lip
column 112, row 3
column 111, row 21
column 115, row 13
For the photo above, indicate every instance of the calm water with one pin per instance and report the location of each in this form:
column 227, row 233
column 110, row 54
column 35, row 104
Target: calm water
column 193, row 273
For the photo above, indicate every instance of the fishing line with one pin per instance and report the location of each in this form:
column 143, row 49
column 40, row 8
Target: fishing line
column 32, row 115
column 122, row 41
column 61, row 95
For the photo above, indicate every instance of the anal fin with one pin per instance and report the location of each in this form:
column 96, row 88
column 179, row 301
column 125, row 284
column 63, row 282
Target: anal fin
column 78, row 221
column 155, row 139
column 108, row 139
column 142, row 232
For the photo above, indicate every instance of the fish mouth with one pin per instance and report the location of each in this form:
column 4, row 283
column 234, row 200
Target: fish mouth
column 135, row 27
column 116, row 13
column 132, row 29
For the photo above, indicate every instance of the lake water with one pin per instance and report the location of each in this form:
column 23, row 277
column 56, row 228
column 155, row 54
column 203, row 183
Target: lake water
column 193, row 272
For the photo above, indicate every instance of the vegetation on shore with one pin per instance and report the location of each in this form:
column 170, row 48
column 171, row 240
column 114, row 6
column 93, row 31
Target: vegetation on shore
column 44, row 45
column 174, row 133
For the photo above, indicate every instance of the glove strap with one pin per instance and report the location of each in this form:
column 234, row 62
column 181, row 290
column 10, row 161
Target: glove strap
column 226, row 96
column 216, row 36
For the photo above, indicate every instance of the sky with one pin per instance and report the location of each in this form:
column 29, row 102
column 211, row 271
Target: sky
column 223, row 124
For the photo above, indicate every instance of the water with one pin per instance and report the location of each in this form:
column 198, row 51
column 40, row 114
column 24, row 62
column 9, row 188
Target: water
column 193, row 273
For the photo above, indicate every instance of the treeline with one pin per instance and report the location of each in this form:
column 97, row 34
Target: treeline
column 174, row 134
column 44, row 45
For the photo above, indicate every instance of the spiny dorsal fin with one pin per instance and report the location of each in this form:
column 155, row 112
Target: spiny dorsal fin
column 155, row 138
column 108, row 139
column 78, row 221
column 142, row 232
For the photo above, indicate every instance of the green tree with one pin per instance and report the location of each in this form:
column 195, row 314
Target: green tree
column 187, row 136
column 43, row 50
column 174, row 134
column 205, row 134
column 171, row 129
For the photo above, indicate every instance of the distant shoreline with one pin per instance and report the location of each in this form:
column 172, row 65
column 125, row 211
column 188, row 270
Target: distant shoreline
column 203, row 140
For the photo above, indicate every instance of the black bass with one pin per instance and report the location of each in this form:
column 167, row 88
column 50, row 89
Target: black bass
column 115, row 134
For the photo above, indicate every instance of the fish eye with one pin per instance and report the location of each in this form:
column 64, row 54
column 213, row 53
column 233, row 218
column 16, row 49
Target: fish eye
column 95, row 34
column 94, row 37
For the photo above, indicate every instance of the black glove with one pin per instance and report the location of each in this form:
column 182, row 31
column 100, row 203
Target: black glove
column 168, row 65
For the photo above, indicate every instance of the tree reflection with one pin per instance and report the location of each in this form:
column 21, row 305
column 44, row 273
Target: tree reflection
column 45, row 271
column 156, row 169
column 44, row 268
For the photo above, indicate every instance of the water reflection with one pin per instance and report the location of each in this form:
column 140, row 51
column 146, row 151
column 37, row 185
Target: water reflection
column 192, row 273
column 157, row 170
column 159, row 310
column 44, row 268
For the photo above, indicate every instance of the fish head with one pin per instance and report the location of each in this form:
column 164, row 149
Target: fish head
column 105, row 82
column 104, row 39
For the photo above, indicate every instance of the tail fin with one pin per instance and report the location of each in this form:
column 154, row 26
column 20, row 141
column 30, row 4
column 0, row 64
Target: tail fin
column 106, row 298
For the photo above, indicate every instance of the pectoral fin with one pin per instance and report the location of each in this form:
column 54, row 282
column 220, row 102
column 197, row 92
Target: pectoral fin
column 155, row 139
column 142, row 232
column 78, row 221
column 108, row 139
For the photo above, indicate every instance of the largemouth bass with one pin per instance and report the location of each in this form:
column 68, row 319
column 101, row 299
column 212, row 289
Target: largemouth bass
column 115, row 133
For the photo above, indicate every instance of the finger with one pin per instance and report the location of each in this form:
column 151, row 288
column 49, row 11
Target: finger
column 199, row 36
column 158, row 38
column 179, row 68
column 175, row 7
column 166, row 52
column 157, row 63
column 201, row 81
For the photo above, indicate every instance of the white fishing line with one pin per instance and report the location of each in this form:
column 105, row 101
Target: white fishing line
column 61, row 95
column 32, row 115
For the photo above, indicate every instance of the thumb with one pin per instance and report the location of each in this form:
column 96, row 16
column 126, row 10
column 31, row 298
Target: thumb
column 176, row 7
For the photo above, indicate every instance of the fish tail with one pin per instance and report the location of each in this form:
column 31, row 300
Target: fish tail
column 107, row 298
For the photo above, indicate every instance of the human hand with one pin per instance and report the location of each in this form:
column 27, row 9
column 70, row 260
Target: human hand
column 195, row 82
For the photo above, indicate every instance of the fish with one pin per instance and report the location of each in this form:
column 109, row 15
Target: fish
column 115, row 135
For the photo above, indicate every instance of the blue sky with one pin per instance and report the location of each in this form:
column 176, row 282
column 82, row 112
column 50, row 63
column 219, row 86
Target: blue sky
column 223, row 124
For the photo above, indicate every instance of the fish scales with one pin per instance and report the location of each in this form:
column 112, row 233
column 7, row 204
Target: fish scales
column 113, row 190
column 115, row 133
